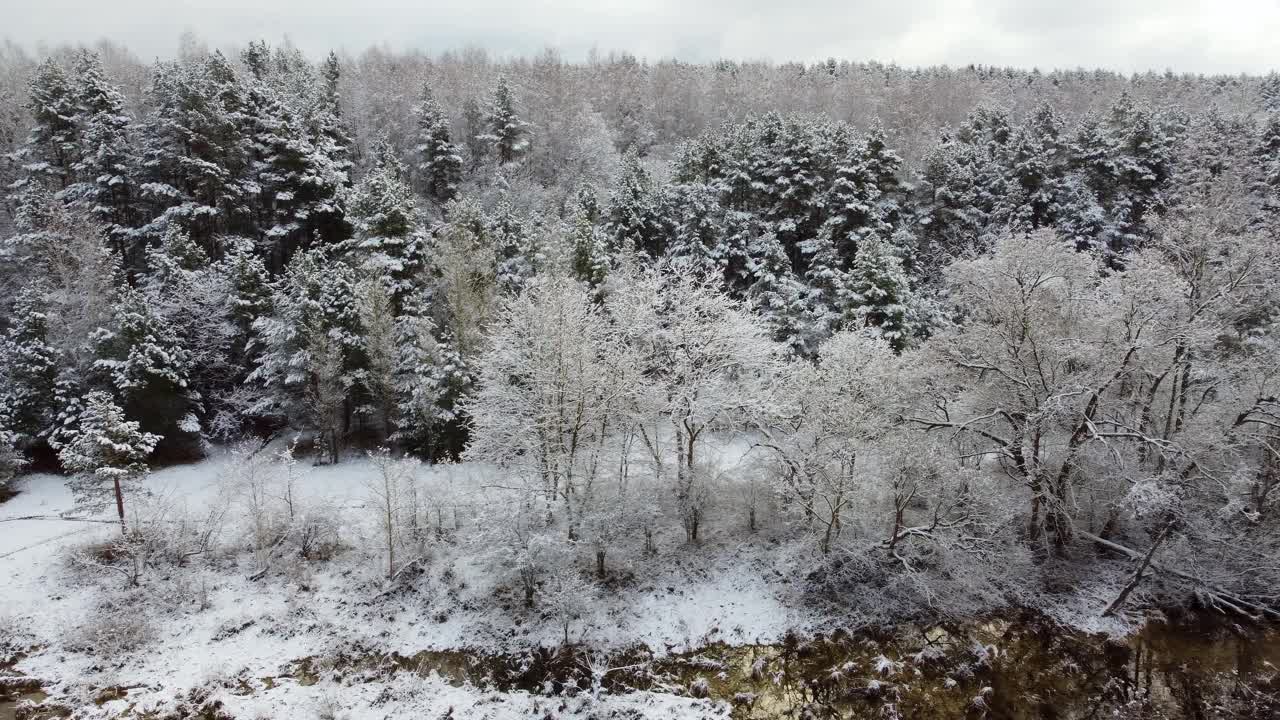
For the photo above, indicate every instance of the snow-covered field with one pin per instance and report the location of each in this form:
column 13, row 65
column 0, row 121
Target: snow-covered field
column 211, row 627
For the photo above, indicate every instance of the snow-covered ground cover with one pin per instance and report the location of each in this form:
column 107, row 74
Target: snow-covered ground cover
column 219, row 624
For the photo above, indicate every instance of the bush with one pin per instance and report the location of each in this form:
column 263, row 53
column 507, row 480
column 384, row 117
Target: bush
column 117, row 626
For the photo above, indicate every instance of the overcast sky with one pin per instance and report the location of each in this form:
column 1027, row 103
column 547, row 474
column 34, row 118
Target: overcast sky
column 1185, row 35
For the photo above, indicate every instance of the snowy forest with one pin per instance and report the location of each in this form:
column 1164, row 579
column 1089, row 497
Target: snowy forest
column 504, row 350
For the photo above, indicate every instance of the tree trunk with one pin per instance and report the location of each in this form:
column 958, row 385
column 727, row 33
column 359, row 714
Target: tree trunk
column 119, row 502
column 600, row 564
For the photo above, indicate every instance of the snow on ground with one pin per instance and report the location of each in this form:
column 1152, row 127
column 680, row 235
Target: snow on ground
column 247, row 629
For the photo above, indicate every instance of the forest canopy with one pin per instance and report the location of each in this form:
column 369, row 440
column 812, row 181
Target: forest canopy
column 975, row 324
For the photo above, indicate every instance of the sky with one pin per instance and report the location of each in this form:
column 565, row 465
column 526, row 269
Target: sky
column 1226, row 36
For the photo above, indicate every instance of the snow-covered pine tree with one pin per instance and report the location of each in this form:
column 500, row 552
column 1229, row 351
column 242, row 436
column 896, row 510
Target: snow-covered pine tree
column 1034, row 169
column 192, row 297
column 1141, row 148
column 141, row 357
column 473, row 133
column 880, row 294
column 12, row 459
column 589, row 260
column 852, row 206
column 106, row 454
column 331, row 135
column 28, row 370
column 518, row 247
column 194, row 153
column 698, row 238
column 775, row 292
column 106, row 168
column 248, row 293
column 296, row 188
column 635, row 207
column 431, row 379
column 389, row 241
column 506, row 133
column 949, row 222
column 1266, row 161
column 882, row 167
column 439, row 160
column 307, row 350
column 52, row 147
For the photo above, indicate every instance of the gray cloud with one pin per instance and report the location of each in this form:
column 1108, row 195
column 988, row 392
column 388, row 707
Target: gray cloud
column 1185, row 35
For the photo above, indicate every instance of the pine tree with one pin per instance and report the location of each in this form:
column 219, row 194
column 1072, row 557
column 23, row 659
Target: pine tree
column 1032, row 183
column 142, row 358
column 308, row 347
column 439, row 160
column 473, row 133
column 432, row 378
column 505, row 130
column 107, row 167
column 52, row 146
column 388, row 239
column 853, row 207
column 634, row 210
column 107, row 454
column 29, row 370
column 1269, row 92
column 775, row 292
column 518, row 247
column 330, row 134
column 699, row 236
column 1266, row 160
column 297, row 189
column 194, row 153
column 880, row 295
column 589, row 252
column 191, row 297
column 12, row 459
column 949, row 222
column 1143, row 166
column 882, row 167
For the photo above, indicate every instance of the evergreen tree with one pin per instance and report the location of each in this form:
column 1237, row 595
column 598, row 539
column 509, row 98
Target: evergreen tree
column 12, row 460
column 439, row 160
column 880, row 295
column 473, row 133
column 1269, row 92
column 516, row 241
column 505, row 130
column 248, row 295
column 191, row 296
column 1144, row 166
column 431, row 378
column 107, row 454
column 699, row 235
column 307, row 349
column 107, row 166
column 52, row 146
column 635, row 220
column 775, row 292
column 1266, row 160
column 142, row 358
column 949, row 222
column 854, row 209
column 194, row 154
column 388, row 239
column 28, row 370
column 296, row 187
column 589, row 252
column 882, row 167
